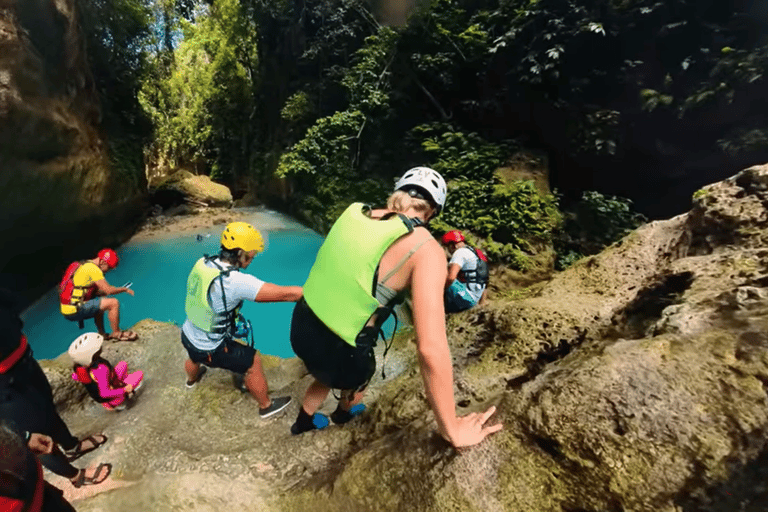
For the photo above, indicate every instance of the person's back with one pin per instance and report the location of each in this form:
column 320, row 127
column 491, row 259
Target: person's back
column 467, row 279
column 81, row 286
column 225, row 295
column 216, row 287
column 324, row 338
column 421, row 240
column 469, row 261
column 84, row 294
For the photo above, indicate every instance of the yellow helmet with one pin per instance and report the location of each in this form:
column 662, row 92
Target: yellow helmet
column 241, row 235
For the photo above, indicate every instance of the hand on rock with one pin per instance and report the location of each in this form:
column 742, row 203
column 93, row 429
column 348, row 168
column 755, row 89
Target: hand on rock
column 471, row 429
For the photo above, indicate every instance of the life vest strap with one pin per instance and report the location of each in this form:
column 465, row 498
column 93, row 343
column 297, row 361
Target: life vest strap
column 15, row 356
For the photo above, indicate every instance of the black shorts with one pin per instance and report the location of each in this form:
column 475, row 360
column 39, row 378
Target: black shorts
column 230, row 355
column 329, row 359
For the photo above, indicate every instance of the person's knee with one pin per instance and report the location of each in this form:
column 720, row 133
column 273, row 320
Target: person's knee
column 109, row 304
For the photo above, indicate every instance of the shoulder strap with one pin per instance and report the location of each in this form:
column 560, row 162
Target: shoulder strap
column 403, row 260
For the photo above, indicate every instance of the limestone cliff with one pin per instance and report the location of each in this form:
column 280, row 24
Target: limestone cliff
column 60, row 197
column 634, row 381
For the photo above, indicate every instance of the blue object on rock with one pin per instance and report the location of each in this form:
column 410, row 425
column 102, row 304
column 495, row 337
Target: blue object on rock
column 320, row 420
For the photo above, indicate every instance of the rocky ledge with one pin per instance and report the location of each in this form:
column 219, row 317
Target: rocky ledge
column 634, row 381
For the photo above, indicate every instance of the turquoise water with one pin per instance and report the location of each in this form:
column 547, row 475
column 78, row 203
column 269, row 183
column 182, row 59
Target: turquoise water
column 159, row 271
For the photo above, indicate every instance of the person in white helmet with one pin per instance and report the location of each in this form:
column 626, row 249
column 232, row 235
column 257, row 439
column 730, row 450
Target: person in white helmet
column 109, row 385
column 368, row 262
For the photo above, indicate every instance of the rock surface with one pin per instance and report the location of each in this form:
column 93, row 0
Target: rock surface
column 197, row 189
column 634, row 381
column 60, row 197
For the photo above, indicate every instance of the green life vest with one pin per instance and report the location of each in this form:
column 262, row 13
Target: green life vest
column 198, row 310
column 341, row 284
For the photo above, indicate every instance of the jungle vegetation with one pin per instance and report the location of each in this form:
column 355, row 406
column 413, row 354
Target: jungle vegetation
column 645, row 99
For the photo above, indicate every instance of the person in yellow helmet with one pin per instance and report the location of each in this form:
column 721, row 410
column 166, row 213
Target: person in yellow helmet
column 216, row 289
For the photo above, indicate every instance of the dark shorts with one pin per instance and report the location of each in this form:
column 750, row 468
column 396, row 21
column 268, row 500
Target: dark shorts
column 230, row 355
column 329, row 359
column 86, row 310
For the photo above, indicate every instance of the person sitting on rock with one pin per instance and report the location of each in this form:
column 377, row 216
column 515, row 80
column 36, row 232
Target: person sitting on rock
column 22, row 488
column 368, row 262
column 83, row 294
column 26, row 402
column 216, row 289
column 467, row 279
column 108, row 385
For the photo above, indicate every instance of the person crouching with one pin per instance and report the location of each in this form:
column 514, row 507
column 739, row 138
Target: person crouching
column 108, row 385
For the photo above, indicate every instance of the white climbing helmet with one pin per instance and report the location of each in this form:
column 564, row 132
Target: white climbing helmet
column 425, row 180
column 82, row 349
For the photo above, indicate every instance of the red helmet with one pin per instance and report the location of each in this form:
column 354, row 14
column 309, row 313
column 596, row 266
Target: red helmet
column 109, row 257
column 454, row 236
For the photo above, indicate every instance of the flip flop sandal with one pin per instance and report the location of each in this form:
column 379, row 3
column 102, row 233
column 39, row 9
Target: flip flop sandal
column 76, row 452
column 124, row 336
column 93, row 480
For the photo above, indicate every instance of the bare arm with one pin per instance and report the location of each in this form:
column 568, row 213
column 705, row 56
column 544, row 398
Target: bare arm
column 453, row 273
column 429, row 274
column 104, row 288
column 275, row 293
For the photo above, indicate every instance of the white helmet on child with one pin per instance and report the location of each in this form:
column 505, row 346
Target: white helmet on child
column 84, row 347
column 427, row 181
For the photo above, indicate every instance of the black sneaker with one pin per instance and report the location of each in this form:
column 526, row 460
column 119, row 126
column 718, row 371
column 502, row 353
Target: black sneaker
column 200, row 373
column 278, row 404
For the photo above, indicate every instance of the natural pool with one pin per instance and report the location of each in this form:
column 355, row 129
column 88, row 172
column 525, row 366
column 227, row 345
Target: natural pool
column 159, row 270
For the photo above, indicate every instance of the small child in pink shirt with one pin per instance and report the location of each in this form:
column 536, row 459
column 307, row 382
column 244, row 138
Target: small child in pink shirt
column 110, row 386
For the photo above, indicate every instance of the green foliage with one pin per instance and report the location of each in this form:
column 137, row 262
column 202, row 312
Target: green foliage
column 204, row 93
column 126, row 159
column 456, row 154
column 515, row 213
column 565, row 260
column 333, row 100
column 511, row 218
column 326, row 149
column 297, row 107
column 327, row 155
column 744, row 139
column 115, row 32
column 365, row 82
column 596, row 133
column 594, row 223
column 733, row 71
column 651, row 99
column 699, row 193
